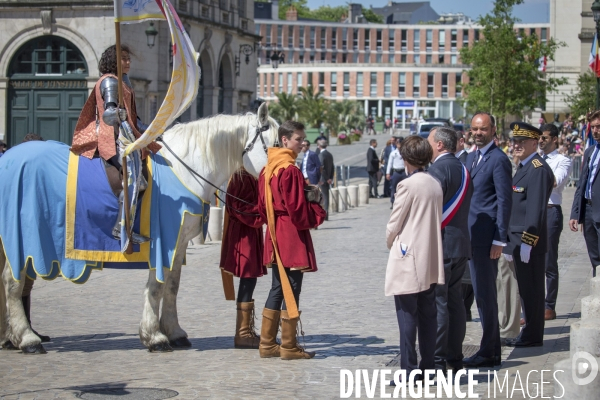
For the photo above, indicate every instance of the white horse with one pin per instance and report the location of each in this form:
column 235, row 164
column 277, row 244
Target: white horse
column 214, row 148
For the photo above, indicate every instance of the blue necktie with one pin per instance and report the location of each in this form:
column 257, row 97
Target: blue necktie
column 588, row 186
column 476, row 161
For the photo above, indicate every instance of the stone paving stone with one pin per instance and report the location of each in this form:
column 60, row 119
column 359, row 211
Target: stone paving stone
column 346, row 319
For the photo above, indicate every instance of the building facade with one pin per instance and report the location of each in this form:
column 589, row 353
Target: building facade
column 49, row 53
column 397, row 71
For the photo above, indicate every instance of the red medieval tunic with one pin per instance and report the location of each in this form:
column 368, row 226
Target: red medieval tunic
column 294, row 216
column 242, row 246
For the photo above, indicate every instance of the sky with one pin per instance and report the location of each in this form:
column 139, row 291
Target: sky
column 531, row 11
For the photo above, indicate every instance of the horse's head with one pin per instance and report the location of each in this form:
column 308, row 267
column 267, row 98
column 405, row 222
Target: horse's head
column 262, row 133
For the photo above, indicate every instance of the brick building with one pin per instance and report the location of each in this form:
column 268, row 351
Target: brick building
column 396, row 70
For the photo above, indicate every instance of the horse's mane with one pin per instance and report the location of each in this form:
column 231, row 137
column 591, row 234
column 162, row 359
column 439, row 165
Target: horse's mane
column 219, row 140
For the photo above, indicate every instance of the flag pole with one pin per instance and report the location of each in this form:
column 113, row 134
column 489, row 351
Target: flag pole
column 126, row 204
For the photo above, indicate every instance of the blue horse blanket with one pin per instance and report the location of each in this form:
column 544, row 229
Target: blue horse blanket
column 57, row 213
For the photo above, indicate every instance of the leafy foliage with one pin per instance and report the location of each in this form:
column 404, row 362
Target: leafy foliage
column 328, row 13
column 584, row 99
column 323, row 13
column 371, row 16
column 299, row 5
column 504, row 79
column 311, row 108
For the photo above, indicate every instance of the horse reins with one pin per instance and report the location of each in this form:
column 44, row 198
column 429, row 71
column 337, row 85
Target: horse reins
column 249, row 147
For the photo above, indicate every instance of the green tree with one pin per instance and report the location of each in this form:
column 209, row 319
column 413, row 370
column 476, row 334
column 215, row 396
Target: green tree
column 504, row 78
column 328, row 13
column 286, row 107
column 299, row 5
column 370, row 16
column 584, row 99
column 312, row 106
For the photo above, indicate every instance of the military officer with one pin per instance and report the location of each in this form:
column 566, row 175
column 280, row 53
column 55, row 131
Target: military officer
column 527, row 237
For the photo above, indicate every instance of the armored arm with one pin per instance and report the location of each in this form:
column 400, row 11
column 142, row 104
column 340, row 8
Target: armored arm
column 109, row 88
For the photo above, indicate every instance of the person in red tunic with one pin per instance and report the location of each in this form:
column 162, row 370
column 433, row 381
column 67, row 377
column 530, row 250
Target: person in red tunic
column 242, row 251
column 290, row 216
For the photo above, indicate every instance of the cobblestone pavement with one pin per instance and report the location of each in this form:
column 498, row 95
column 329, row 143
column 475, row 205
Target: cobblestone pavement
column 346, row 317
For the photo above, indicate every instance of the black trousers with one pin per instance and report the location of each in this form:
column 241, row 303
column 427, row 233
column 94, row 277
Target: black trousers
column 325, row 190
column 386, row 186
column 483, row 277
column 468, row 297
column 416, row 314
column 591, row 233
column 555, row 226
column 395, row 179
column 275, row 299
column 246, row 290
column 451, row 315
column 530, row 279
column 373, row 184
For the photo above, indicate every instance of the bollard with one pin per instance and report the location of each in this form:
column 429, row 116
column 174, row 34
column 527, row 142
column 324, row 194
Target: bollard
column 363, row 194
column 353, row 195
column 333, row 199
column 343, row 199
column 215, row 224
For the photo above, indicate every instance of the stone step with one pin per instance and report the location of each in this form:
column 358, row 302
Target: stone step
column 590, row 308
column 565, row 386
column 595, row 287
column 585, row 336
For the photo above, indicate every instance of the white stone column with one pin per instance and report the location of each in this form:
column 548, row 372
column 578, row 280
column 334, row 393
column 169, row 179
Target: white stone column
column 584, row 353
column 353, row 195
column 343, row 199
column 333, row 199
column 215, row 224
column 363, row 194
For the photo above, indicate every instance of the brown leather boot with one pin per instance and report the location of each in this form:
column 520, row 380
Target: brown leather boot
column 245, row 336
column 290, row 349
column 268, row 334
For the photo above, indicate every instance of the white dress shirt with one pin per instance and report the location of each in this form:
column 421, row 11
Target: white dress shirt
column 561, row 166
column 394, row 162
column 304, row 162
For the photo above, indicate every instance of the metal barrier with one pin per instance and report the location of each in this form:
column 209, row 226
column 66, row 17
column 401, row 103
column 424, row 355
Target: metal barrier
column 575, row 170
column 343, row 177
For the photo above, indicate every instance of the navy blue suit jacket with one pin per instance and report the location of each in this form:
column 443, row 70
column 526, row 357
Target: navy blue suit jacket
column 578, row 208
column 313, row 167
column 491, row 203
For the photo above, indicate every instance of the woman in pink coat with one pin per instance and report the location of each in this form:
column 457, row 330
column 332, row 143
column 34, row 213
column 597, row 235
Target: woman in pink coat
column 415, row 264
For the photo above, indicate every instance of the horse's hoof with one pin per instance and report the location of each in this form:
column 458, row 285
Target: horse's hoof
column 160, row 348
column 34, row 349
column 8, row 345
column 181, row 343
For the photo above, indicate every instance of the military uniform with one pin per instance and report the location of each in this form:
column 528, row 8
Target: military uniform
column 532, row 185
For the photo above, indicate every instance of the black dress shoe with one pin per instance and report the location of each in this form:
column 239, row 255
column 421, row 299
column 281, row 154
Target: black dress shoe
column 455, row 365
column 519, row 343
column 479, row 361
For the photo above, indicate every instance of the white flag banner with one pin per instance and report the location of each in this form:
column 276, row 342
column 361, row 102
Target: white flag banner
column 133, row 11
column 184, row 80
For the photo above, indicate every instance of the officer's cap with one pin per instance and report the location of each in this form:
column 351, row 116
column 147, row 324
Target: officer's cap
column 521, row 130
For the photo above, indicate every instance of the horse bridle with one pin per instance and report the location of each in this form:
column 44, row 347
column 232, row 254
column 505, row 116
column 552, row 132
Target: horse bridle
column 258, row 134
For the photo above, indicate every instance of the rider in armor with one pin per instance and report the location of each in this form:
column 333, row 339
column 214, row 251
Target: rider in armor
column 97, row 130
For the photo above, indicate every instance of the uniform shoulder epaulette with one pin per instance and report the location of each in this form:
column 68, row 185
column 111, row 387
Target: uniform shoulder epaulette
column 536, row 163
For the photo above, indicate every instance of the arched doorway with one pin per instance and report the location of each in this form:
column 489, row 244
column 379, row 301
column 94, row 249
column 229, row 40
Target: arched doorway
column 47, row 89
column 204, row 99
column 225, row 86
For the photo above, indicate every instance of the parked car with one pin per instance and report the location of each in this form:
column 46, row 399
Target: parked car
column 428, row 124
column 464, row 128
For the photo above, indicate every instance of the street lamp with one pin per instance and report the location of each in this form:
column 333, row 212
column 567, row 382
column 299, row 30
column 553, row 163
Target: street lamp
column 247, row 50
column 596, row 12
column 151, row 33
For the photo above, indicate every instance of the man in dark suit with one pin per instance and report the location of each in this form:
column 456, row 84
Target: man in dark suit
column 372, row 168
column 457, row 189
column 460, row 152
column 586, row 203
column 528, row 236
column 311, row 166
column 384, row 160
column 327, row 171
column 489, row 215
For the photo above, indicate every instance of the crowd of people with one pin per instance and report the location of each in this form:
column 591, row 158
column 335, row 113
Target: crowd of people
column 501, row 218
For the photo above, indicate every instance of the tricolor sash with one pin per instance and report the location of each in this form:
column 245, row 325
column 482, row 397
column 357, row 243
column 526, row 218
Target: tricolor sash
column 452, row 206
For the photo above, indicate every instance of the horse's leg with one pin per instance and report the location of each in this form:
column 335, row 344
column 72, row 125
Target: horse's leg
column 19, row 331
column 169, row 323
column 150, row 333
